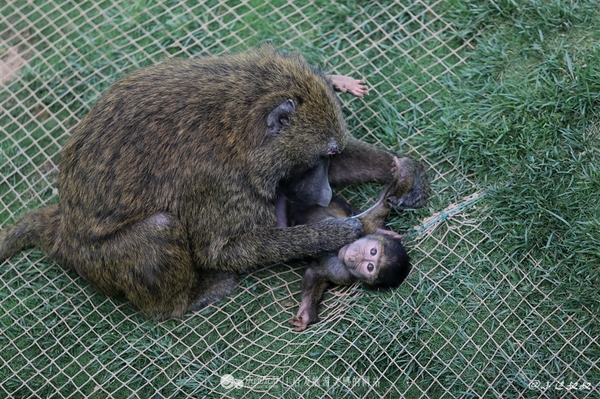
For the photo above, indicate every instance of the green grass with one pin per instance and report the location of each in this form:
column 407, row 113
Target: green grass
column 504, row 293
column 525, row 120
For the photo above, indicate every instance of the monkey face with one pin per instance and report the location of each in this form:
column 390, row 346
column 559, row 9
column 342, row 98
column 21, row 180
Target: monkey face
column 324, row 136
column 363, row 258
column 310, row 187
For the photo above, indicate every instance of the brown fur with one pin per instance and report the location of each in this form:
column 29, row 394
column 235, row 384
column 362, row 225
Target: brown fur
column 172, row 174
column 168, row 186
column 394, row 264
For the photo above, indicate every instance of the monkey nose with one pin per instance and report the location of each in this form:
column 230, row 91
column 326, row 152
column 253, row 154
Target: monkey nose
column 333, row 148
column 353, row 256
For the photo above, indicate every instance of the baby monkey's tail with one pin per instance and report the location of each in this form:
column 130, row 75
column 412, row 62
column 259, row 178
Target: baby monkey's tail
column 36, row 228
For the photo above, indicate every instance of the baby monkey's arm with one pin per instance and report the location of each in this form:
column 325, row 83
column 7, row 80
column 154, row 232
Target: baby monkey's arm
column 319, row 274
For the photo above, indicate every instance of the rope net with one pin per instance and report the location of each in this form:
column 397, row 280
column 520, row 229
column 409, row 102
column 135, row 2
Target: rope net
column 470, row 320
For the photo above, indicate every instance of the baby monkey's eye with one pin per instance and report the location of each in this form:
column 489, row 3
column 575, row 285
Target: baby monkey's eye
column 373, row 251
column 371, row 266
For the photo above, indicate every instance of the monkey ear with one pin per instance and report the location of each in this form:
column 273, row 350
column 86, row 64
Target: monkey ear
column 281, row 116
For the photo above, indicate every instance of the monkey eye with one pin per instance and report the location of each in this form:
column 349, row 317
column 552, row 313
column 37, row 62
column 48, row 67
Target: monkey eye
column 370, row 266
column 373, row 251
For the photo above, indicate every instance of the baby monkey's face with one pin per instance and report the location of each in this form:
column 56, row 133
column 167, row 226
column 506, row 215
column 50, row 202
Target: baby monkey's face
column 362, row 258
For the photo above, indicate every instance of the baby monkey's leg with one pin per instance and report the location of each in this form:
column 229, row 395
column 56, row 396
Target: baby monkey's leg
column 409, row 188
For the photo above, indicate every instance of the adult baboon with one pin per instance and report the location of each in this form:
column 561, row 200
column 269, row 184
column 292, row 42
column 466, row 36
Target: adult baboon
column 168, row 186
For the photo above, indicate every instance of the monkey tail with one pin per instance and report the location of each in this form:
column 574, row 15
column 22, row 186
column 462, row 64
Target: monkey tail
column 36, row 228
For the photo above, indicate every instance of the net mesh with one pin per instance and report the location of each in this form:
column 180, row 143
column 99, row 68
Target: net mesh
column 471, row 320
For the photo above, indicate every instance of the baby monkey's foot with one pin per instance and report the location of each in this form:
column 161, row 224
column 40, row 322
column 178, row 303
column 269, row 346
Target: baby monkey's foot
column 346, row 84
column 412, row 188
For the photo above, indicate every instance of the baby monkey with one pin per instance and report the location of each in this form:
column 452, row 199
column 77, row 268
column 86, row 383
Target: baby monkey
column 378, row 260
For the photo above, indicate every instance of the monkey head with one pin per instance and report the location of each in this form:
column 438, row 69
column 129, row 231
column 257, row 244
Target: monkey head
column 308, row 183
column 304, row 130
column 378, row 260
column 270, row 118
